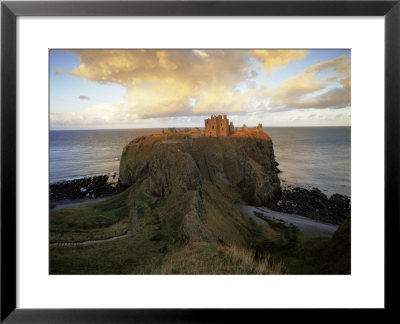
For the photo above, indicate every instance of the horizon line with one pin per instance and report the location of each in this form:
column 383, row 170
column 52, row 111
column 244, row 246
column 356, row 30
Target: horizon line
column 182, row 127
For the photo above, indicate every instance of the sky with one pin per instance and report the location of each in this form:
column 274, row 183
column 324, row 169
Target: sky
column 119, row 89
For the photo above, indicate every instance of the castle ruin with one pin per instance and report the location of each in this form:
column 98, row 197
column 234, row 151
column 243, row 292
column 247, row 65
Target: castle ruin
column 218, row 126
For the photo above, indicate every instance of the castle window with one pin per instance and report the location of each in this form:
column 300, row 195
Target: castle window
column 213, row 127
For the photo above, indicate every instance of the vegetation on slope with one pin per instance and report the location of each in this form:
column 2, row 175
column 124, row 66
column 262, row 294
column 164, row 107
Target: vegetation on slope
column 92, row 221
column 159, row 245
column 309, row 255
column 325, row 255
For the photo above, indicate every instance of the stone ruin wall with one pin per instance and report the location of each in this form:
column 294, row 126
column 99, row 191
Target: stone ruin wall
column 217, row 126
column 210, row 127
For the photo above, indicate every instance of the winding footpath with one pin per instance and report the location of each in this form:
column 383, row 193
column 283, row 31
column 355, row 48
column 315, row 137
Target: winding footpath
column 128, row 233
column 307, row 225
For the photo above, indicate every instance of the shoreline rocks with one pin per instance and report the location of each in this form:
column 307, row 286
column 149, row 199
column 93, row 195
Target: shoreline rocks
column 312, row 203
column 89, row 187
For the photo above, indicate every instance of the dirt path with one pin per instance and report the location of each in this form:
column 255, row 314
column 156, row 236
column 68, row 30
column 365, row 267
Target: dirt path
column 308, row 226
column 128, row 233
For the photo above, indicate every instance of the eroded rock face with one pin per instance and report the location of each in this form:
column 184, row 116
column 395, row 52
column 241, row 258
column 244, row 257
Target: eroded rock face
column 182, row 164
column 194, row 229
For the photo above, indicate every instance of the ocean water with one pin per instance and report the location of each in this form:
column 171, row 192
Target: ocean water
column 81, row 153
column 308, row 156
column 314, row 157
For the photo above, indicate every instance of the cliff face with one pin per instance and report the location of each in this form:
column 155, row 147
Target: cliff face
column 180, row 164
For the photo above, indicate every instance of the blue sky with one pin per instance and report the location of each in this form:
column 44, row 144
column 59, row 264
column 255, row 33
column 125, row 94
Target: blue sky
column 106, row 89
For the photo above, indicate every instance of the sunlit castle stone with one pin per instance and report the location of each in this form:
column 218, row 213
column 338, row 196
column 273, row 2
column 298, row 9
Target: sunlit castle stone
column 218, row 126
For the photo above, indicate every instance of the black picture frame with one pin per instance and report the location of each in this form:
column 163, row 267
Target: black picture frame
column 10, row 10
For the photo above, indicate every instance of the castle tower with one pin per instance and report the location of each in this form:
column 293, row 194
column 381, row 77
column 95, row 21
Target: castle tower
column 217, row 126
column 210, row 127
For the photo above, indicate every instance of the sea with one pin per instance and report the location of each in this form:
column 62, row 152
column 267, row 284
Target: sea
column 308, row 156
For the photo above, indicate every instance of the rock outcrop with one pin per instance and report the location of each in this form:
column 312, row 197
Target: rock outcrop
column 312, row 203
column 90, row 187
column 194, row 228
column 180, row 163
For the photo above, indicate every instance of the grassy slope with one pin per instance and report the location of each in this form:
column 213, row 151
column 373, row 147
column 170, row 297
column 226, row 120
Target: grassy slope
column 312, row 255
column 156, row 246
column 212, row 258
column 139, row 253
column 325, row 256
column 94, row 221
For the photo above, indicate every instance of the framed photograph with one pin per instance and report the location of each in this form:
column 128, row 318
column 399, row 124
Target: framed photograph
column 197, row 160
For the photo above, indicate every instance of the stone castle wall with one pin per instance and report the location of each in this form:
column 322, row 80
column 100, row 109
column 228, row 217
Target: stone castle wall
column 217, row 126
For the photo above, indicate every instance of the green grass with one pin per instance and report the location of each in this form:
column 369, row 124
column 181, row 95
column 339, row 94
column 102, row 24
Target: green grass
column 155, row 203
column 289, row 231
column 142, row 196
column 140, row 253
column 100, row 220
column 326, row 256
column 140, row 210
column 157, row 247
column 307, row 255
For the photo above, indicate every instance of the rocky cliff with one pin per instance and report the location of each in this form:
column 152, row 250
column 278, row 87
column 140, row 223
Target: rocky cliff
column 177, row 163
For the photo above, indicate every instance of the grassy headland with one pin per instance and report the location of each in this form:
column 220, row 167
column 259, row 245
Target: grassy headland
column 187, row 218
column 159, row 245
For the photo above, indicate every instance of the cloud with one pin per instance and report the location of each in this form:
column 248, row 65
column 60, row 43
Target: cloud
column 215, row 99
column 323, row 85
column 165, row 83
column 336, row 98
column 273, row 59
column 306, row 117
column 162, row 82
column 59, row 71
column 96, row 114
column 168, row 82
column 131, row 67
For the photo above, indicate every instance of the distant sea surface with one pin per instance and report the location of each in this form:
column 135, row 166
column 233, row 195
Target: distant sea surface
column 308, row 156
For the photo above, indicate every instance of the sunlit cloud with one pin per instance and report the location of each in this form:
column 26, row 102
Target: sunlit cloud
column 161, row 82
column 188, row 83
column 312, row 88
column 96, row 114
column 273, row 59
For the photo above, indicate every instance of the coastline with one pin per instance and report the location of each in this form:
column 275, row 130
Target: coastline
column 301, row 207
column 67, row 203
column 293, row 199
column 83, row 188
column 308, row 156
